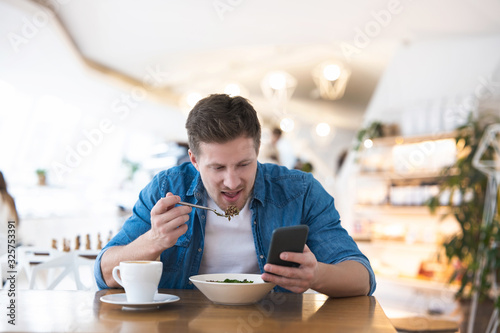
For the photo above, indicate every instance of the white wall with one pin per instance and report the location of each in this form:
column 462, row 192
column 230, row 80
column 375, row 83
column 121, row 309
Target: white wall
column 436, row 75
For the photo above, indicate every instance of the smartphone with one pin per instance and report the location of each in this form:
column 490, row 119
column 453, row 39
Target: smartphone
column 287, row 239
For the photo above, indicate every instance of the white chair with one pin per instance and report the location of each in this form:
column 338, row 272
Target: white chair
column 30, row 256
column 58, row 266
column 70, row 263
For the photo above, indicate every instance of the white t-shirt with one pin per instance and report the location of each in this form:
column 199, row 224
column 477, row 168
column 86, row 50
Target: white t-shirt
column 229, row 245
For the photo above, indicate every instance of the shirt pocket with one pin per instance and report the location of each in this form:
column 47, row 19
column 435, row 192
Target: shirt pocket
column 174, row 257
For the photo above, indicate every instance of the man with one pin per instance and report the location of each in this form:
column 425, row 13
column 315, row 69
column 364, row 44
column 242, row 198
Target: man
column 224, row 140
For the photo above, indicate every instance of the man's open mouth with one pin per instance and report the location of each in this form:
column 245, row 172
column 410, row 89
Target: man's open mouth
column 231, row 195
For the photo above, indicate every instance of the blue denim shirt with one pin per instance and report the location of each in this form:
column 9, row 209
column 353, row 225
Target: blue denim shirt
column 281, row 197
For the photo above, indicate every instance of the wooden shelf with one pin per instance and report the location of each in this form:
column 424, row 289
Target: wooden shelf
column 390, row 174
column 398, row 140
column 393, row 175
column 399, row 245
column 390, row 209
column 400, row 238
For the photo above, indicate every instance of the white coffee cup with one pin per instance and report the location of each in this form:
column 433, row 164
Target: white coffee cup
column 140, row 279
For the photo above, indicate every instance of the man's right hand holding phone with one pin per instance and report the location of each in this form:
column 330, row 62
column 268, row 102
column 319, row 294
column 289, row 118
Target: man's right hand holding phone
column 296, row 279
column 346, row 278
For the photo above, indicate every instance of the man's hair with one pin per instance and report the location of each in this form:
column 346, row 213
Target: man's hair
column 220, row 118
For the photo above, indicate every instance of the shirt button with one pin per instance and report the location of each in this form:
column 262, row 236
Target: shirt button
column 254, row 222
column 203, row 217
column 261, row 256
column 199, row 250
column 190, row 282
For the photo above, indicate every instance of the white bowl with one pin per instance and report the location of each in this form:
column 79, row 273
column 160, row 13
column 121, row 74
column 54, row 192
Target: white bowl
column 232, row 293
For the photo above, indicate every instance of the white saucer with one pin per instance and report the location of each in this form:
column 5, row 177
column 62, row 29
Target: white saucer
column 121, row 299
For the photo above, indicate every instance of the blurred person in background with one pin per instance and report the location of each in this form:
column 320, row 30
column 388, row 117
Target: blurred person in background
column 8, row 212
column 270, row 152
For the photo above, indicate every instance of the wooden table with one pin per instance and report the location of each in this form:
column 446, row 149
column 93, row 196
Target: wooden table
column 82, row 311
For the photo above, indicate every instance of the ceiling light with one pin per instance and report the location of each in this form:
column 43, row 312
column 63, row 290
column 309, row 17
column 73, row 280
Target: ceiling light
column 287, row 125
column 277, row 80
column 331, row 72
column 331, row 79
column 192, row 99
column 323, row 129
column 278, row 88
column 235, row 89
column 232, row 89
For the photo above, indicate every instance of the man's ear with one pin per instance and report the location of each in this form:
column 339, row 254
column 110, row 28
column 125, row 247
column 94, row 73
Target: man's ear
column 192, row 158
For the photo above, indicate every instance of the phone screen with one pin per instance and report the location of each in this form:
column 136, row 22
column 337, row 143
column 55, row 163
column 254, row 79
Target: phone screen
column 287, row 239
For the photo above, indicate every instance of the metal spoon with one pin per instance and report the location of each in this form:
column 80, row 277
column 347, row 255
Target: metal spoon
column 202, row 207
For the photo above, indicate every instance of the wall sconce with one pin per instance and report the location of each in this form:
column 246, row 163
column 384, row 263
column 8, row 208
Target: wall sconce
column 278, row 88
column 331, row 79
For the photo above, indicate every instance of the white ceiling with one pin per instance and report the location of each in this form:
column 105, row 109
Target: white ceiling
column 201, row 45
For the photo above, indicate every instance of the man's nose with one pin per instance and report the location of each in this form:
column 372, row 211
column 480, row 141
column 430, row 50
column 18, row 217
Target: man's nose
column 231, row 179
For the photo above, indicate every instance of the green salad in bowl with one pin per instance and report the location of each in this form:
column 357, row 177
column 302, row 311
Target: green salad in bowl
column 232, row 288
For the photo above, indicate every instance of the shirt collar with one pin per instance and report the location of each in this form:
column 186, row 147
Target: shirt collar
column 196, row 188
column 259, row 189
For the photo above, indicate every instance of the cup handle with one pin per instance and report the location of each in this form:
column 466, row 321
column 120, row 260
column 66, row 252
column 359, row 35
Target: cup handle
column 115, row 275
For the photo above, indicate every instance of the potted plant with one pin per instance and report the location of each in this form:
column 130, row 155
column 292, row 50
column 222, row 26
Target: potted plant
column 462, row 180
column 372, row 131
column 375, row 129
column 42, row 177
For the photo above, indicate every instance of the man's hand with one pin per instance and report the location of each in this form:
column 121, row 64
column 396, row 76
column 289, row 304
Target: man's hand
column 295, row 279
column 168, row 223
column 347, row 278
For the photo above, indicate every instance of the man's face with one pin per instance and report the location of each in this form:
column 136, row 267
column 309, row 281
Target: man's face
column 227, row 170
